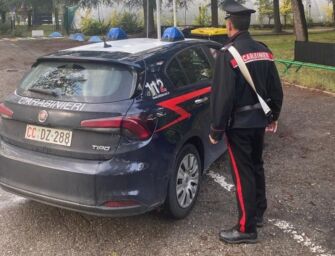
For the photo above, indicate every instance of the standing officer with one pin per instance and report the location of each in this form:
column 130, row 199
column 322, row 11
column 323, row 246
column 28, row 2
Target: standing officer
column 237, row 113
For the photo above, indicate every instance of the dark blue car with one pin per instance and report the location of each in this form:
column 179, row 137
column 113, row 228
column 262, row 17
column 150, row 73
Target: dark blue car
column 112, row 129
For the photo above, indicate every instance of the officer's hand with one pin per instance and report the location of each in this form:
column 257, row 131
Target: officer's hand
column 272, row 127
column 212, row 140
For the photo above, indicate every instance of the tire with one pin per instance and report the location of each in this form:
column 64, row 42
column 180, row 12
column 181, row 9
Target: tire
column 183, row 188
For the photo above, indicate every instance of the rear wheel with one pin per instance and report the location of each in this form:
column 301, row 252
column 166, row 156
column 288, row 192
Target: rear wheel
column 185, row 182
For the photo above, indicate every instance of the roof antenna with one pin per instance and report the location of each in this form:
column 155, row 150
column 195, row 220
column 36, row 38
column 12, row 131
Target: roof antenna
column 105, row 44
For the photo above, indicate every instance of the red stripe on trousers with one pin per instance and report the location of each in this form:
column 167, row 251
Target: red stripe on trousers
column 238, row 189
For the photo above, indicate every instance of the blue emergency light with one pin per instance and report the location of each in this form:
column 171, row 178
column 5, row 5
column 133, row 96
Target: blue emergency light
column 172, row 34
column 116, row 34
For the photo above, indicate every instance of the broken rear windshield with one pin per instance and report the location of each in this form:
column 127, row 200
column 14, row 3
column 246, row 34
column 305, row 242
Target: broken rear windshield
column 79, row 82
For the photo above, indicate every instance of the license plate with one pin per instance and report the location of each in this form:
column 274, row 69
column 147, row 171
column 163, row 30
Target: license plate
column 49, row 135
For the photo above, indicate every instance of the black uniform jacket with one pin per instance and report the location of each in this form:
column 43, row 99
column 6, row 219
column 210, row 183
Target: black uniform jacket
column 231, row 92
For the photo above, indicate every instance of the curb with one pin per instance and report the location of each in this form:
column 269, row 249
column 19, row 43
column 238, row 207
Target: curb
column 310, row 89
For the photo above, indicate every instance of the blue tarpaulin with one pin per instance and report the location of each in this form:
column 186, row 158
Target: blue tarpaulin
column 116, row 34
column 95, row 39
column 77, row 37
column 55, row 34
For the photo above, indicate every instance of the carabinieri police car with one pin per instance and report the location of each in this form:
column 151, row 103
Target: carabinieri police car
column 116, row 128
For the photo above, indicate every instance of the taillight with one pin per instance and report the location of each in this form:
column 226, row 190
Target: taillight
column 114, row 122
column 5, row 112
column 136, row 127
column 133, row 124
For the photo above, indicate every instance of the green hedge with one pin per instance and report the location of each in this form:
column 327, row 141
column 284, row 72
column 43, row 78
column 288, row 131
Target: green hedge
column 127, row 21
column 5, row 29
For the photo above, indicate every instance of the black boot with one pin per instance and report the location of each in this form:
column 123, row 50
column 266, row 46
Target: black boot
column 234, row 236
column 259, row 221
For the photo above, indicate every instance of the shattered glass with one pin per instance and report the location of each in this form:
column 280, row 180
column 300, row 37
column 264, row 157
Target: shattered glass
column 69, row 81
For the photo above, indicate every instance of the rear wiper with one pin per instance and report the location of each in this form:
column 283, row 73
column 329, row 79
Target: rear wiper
column 54, row 92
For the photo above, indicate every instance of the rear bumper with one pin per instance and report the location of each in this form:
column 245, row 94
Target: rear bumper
column 93, row 210
column 81, row 185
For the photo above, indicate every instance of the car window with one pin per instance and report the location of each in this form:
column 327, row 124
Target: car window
column 196, row 65
column 80, row 81
column 176, row 74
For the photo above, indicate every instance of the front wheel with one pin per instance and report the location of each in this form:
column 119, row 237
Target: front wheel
column 184, row 183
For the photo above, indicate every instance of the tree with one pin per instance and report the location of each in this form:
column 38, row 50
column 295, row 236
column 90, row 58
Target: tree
column 328, row 11
column 276, row 12
column 149, row 21
column 286, row 10
column 181, row 4
column 215, row 4
column 215, row 15
column 333, row 3
column 265, row 9
column 89, row 3
column 6, row 6
column 203, row 19
column 148, row 11
column 300, row 24
column 3, row 10
column 82, row 3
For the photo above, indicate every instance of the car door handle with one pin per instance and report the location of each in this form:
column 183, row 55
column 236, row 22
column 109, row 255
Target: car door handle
column 161, row 112
column 201, row 100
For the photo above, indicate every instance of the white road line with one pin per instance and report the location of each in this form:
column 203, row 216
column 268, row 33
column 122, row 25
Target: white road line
column 300, row 238
column 221, row 180
column 285, row 226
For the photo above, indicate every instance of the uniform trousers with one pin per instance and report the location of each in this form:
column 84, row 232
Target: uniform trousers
column 245, row 148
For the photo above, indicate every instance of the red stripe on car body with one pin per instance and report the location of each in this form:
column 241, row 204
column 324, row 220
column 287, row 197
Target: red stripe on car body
column 173, row 103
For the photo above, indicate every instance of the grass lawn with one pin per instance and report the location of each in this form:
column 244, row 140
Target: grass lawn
column 283, row 48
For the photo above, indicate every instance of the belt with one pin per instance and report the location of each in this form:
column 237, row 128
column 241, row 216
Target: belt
column 249, row 107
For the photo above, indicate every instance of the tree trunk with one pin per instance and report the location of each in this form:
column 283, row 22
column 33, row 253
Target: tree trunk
column 276, row 12
column 215, row 15
column 285, row 21
column 151, row 26
column 30, row 14
column 3, row 17
column 300, row 24
column 57, row 18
